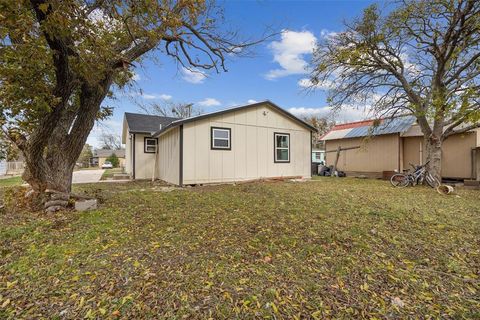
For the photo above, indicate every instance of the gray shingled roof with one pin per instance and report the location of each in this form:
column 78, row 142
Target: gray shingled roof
column 102, row 153
column 145, row 123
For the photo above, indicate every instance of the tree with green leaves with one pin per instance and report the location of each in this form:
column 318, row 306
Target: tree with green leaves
column 322, row 124
column 113, row 160
column 86, row 155
column 420, row 58
column 61, row 58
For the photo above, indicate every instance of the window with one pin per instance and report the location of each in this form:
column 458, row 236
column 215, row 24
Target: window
column 282, row 147
column 221, row 138
column 318, row 156
column 150, row 145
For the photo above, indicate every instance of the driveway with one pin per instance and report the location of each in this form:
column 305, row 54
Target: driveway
column 87, row 176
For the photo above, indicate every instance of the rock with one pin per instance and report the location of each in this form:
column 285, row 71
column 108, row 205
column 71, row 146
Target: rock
column 54, row 208
column 398, row 302
column 60, row 196
column 85, row 205
column 56, row 203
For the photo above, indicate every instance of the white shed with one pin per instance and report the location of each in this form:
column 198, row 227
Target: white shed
column 250, row 142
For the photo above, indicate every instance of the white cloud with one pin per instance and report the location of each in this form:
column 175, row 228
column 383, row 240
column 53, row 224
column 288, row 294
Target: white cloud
column 345, row 114
column 165, row 96
column 209, row 102
column 289, row 53
column 327, row 34
column 324, row 85
column 154, row 96
column 251, row 101
column 193, row 76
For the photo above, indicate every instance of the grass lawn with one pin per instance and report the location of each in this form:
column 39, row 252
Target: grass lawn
column 108, row 173
column 332, row 248
column 10, row 182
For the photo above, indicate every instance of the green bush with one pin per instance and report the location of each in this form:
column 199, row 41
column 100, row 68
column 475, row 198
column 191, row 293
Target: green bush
column 113, row 160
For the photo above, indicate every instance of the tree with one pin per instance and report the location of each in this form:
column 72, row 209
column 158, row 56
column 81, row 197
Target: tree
column 61, row 58
column 421, row 58
column 172, row 109
column 110, row 141
column 86, row 155
column 8, row 150
column 113, row 160
column 322, row 124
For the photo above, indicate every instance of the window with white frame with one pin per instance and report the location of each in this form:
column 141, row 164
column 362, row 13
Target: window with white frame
column 150, row 145
column 282, row 147
column 221, row 138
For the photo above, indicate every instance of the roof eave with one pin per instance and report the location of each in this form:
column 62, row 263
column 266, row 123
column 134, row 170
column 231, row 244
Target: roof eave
column 212, row 114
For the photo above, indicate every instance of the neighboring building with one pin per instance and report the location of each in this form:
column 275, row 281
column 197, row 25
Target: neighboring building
column 395, row 143
column 254, row 141
column 318, row 156
column 101, row 155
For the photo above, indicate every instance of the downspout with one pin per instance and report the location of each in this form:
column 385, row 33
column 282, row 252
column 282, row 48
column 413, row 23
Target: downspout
column 180, row 169
column 133, row 157
column 311, row 157
column 155, row 162
column 399, row 169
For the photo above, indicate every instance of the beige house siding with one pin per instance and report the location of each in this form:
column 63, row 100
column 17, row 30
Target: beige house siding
column 375, row 155
column 144, row 162
column 383, row 153
column 252, row 153
column 457, row 155
column 128, row 154
column 413, row 151
column 168, row 157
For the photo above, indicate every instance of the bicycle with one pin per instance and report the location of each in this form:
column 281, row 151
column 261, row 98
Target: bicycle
column 418, row 176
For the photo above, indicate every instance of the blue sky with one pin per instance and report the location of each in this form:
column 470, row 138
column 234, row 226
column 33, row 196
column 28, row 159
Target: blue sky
column 276, row 71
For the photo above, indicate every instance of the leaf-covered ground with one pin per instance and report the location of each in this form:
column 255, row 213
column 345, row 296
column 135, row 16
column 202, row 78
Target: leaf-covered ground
column 331, row 248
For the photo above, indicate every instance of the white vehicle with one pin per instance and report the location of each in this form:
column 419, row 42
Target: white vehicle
column 107, row 165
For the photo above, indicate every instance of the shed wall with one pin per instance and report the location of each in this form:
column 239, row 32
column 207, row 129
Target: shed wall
column 128, row 154
column 144, row 162
column 168, row 157
column 376, row 154
column 252, row 147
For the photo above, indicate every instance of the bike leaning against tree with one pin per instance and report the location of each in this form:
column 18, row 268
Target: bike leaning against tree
column 418, row 176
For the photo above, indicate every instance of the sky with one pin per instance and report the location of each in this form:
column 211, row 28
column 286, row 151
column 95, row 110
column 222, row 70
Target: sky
column 276, row 71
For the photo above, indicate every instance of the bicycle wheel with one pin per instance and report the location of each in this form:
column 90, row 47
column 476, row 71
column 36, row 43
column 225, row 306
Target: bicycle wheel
column 399, row 180
column 431, row 180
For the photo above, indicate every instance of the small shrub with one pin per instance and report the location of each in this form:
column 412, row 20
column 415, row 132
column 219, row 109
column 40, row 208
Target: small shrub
column 113, row 160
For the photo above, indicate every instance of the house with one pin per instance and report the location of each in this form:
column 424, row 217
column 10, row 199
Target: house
column 101, row 155
column 318, row 156
column 259, row 140
column 395, row 143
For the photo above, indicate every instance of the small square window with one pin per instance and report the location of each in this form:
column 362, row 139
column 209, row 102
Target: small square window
column 282, row 147
column 221, row 138
column 150, row 145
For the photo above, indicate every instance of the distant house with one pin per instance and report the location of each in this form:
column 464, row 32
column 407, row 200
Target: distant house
column 254, row 141
column 318, row 156
column 394, row 144
column 101, row 155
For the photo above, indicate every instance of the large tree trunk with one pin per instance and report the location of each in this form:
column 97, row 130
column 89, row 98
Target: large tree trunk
column 433, row 149
column 50, row 168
